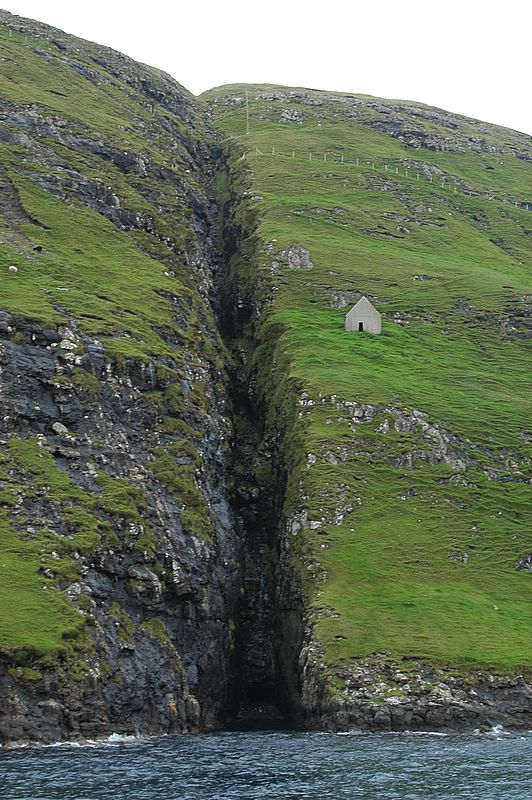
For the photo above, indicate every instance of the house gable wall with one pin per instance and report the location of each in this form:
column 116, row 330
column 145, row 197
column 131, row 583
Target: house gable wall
column 363, row 312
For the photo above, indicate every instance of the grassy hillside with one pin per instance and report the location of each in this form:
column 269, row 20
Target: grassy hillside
column 98, row 177
column 410, row 480
column 127, row 553
column 103, row 133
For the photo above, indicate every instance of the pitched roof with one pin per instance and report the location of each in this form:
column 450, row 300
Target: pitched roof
column 363, row 307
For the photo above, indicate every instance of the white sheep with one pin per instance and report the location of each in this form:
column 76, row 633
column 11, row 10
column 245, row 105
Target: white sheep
column 13, row 270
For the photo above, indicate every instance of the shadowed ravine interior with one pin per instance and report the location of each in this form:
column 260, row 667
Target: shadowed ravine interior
column 260, row 698
column 218, row 507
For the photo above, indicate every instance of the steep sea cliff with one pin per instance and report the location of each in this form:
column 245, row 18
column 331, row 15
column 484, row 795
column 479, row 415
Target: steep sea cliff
column 182, row 474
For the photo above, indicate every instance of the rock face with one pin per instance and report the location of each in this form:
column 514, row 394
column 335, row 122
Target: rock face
column 295, row 257
column 115, row 458
column 157, row 599
column 409, row 696
column 153, row 513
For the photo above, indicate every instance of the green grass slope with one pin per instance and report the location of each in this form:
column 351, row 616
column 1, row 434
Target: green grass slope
column 97, row 168
column 410, row 478
column 80, row 249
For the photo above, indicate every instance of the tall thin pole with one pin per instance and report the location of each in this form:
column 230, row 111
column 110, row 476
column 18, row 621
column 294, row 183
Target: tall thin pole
column 247, row 112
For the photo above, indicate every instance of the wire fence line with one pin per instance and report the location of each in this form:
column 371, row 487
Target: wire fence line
column 330, row 156
column 453, row 184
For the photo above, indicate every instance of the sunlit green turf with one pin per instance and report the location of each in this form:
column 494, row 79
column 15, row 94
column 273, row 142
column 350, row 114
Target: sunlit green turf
column 98, row 276
column 110, row 284
column 424, row 563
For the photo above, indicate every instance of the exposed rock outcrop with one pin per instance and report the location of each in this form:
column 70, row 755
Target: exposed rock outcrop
column 115, row 463
column 153, row 450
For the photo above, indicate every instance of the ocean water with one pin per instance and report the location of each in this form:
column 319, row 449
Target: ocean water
column 275, row 766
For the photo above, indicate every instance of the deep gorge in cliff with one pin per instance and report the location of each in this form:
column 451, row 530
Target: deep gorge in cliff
column 260, row 694
column 220, row 509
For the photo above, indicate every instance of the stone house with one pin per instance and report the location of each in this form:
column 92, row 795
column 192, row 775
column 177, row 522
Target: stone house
column 363, row 317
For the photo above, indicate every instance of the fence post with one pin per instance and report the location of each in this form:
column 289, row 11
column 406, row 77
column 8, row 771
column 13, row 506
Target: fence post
column 357, row 161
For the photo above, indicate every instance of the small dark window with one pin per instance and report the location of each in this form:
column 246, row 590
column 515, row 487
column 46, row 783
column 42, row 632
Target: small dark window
column 360, row 326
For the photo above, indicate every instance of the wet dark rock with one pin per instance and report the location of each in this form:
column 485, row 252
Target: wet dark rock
column 188, row 632
column 158, row 598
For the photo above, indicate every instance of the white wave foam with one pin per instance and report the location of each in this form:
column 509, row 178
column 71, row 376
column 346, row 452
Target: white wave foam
column 498, row 731
column 113, row 740
column 124, row 738
column 65, row 744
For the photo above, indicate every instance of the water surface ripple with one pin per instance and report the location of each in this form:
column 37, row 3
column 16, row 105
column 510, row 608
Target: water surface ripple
column 284, row 766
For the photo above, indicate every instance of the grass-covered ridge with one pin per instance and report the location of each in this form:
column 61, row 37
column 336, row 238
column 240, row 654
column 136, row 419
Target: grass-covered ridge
column 100, row 190
column 409, row 458
column 407, row 453
column 87, row 103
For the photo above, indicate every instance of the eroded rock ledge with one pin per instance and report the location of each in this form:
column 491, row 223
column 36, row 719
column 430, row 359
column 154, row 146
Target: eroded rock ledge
column 154, row 492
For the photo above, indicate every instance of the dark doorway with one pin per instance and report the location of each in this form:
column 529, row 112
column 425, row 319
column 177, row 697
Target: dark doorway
column 360, row 326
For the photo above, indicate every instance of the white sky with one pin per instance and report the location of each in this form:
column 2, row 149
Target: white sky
column 468, row 56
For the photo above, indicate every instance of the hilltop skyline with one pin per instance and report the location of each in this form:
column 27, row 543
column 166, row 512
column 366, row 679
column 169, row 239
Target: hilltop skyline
column 465, row 62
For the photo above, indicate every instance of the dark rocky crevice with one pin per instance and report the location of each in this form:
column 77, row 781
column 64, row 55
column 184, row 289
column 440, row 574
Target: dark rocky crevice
column 182, row 629
column 259, row 699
